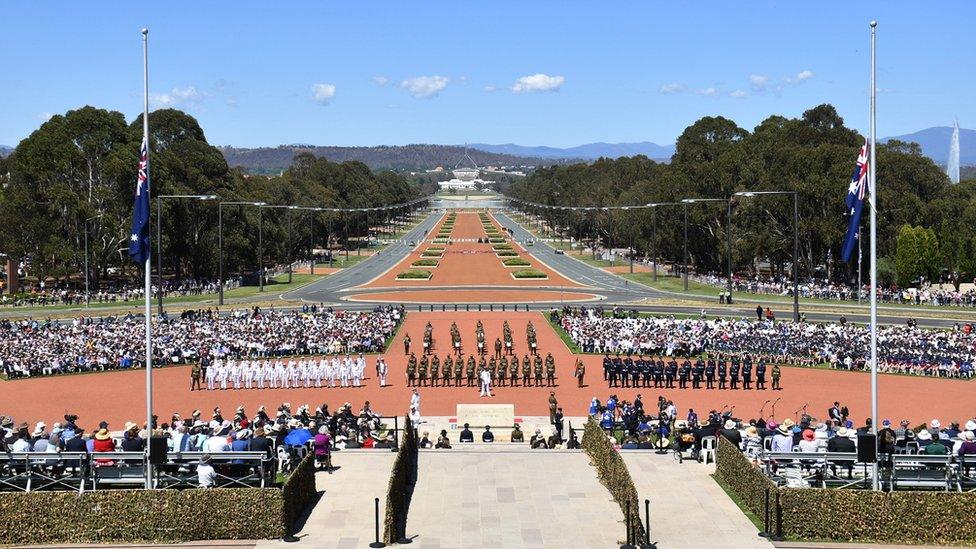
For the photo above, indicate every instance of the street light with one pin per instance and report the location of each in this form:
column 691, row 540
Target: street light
column 159, row 239
column 653, row 206
column 796, row 243
column 220, row 242
column 728, row 236
column 87, row 293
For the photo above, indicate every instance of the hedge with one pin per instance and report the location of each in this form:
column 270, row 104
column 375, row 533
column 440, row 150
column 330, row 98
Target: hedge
column 516, row 262
column 613, row 473
column 903, row 517
column 298, row 491
column 432, row 253
column 403, row 478
column 145, row 516
column 425, row 263
column 414, row 274
column 529, row 273
column 507, row 253
column 496, row 240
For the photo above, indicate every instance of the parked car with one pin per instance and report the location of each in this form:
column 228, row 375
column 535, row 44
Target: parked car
column 559, row 251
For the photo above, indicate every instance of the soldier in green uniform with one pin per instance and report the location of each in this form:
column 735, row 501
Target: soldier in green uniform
column 776, row 375
column 448, row 369
column 502, row 370
column 411, row 370
column 493, row 369
column 498, row 347
column 424, row 366
column 435, row 371
column 526, row 370
column 514, row 371
column 469, row 371
column 458, row 371
column 406, row 344
column 537, row 369
column 195, row 374
column 550, row 370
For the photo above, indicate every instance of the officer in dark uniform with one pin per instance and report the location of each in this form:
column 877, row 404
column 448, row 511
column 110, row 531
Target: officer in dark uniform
column 645, row 367
column 659, row 374
column 722, row 372
column 628, row 371
column 747, row 372
column 697, row 373
column 684, row 374
column 498, row 347
column 776, row 375
column 761, row 374
column 710, row 374
column 670, row 373
column 424, row 365
column 734, row 373
column 635, row 370
column 607, row 366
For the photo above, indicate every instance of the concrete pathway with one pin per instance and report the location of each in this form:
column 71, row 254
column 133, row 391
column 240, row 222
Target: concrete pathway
column 491, row 497
column 688, row 509
column 344, row 516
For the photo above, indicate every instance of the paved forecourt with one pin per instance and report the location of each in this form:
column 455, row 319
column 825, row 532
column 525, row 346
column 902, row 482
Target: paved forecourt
column 500, row 496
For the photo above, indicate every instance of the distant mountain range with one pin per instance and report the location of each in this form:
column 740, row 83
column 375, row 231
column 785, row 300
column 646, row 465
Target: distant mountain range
column 589, row 151
column 5, row 150
column 935, row 144
column 271, row 160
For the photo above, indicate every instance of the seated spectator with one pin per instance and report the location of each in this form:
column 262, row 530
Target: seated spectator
column 466, row 434
column 259, row 442
column 131, row 441
column 936, row 447
column 242, row 442
column 967, row 444
column 842, row 442
column 425, row 441
column 809, row 442
column 443, row 441
column 886, row 438
column 753, row 444
column 783, row 439
column 77, row 442
column 322, row 445
column 383, row 442
column 219, row 442
column 924, row 439
column 537, row 440
column 517, row 434
column 731, row 433
column 103, row 443
column 487, row 436
column 206, row 475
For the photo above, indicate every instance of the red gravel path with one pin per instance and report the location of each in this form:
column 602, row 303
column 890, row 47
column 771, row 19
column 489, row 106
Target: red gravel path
column 119, row 396
column 473, row 296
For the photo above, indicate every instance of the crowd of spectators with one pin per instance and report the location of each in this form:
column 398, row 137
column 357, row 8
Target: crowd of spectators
column 32, row 348
column 901, row 349
column 815, row 288
column 72, row 294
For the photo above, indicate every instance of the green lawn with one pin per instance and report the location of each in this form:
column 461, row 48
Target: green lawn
column 340, row 261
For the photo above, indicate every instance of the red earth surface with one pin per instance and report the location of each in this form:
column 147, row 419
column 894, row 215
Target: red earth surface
column 465, row 262
column 119, row 396
column 473, row 296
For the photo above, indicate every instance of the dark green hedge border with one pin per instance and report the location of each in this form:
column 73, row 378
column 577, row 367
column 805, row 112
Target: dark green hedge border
column 904, row 517
column 403, row 478
column 613, row 473
column 298, row 492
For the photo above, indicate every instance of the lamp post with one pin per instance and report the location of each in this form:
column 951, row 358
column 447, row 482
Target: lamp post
column 796, row 243
column 654, row 206
column 87, row 293
column 220, row 242
column 159, row 238
column 728, row 236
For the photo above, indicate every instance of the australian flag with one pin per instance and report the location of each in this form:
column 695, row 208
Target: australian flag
column 855, row 201
column 139, row 248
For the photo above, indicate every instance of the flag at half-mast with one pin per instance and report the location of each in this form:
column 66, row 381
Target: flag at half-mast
column 855, row 202
column 139, row 248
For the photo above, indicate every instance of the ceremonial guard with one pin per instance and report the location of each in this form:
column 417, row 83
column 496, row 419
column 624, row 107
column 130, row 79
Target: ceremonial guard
column 412, row 371
column 550, row 370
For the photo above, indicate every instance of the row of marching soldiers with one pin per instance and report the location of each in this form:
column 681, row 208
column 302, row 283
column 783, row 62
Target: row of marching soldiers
column 507, row 348
column 432, row 372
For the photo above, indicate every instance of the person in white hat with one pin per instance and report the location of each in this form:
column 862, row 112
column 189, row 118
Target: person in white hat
column 381, row 370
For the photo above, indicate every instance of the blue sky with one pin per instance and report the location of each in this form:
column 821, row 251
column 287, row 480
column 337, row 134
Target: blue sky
column 533, row 73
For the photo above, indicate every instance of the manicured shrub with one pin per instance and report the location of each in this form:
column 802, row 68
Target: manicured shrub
column 496, row 240
column 516, row 262
column 432, row 253
column 507, row 253
column 612, row 472
column 414, row 274
column 529, row 273
column 425, row 263
column 500, row 247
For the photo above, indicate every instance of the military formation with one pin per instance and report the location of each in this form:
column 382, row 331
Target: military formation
column 727, row 372
column 503, row 367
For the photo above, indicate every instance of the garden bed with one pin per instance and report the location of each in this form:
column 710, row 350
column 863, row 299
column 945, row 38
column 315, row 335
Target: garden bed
column 433, row 253
column 414, row 274
column 506, row 253
column 516, row 262
column 532, row 274
column 428, row 263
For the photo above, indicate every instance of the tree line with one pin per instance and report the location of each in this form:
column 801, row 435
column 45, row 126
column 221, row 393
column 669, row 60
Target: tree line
column 813, row 155
column 77, row 172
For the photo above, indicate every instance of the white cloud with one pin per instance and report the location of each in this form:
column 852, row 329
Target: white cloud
column 323, row 93
column 177, row 96
column 758, row 81
column 738, row 94
column 381, row 80
column 45, row 116
column 804, row 75
column 709, row 92
column 490, row 88
column 538, row 83
column 423, row 87
column 673, row 87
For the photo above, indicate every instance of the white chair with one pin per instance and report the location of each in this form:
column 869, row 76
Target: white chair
column 708, row 449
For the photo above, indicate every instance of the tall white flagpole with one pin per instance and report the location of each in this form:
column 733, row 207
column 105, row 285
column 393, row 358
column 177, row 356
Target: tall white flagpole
column 872, row 182
column 148, row 267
